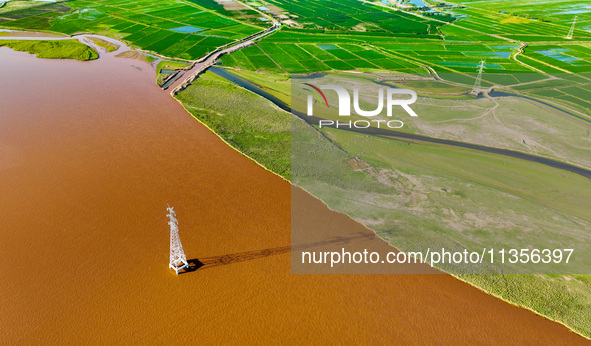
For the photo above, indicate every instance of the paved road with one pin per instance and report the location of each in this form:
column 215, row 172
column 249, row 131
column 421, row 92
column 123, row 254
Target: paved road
column 202, row 64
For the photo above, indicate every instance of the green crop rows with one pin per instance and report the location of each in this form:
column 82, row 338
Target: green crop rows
column 508, row 42
column 171, row 28
column 355, row 15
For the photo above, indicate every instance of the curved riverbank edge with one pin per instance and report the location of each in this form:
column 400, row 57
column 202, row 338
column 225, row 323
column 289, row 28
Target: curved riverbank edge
column 457, row 277
column 227, row 143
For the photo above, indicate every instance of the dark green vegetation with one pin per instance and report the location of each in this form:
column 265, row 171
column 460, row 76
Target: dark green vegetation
column 247, row 122
column 57, row 49
column 346, row 15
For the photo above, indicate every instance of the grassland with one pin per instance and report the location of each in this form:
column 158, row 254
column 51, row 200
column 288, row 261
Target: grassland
column 563, row 298
column 446, row 112
column 58, row 49
column 567, row 91
column 275, row 84
column 448, row 197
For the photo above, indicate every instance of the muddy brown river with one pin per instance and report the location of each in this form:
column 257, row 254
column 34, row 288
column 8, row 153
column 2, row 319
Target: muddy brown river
column 90, row 155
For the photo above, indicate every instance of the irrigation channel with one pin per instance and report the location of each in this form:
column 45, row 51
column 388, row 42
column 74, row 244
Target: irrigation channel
column 403, row 136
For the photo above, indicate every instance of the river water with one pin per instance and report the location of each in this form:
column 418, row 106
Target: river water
column 90, row 155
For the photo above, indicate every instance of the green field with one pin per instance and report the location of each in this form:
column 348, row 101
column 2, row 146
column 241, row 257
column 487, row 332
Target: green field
column 314, row 57
column 318, row 38
column 172, row 28
column 352, row 15
column 510, row 43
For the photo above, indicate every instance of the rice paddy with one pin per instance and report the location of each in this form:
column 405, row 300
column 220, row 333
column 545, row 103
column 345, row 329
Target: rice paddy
column 172, row 28
column 509, row 42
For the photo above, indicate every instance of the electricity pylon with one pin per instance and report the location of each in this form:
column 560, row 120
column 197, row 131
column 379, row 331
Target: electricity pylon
column 571, row 32
column 178, row 260
column 476, row 88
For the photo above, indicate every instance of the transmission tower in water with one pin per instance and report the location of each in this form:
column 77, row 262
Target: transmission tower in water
column 571, row 32
column 476, row 89
column 178, row 260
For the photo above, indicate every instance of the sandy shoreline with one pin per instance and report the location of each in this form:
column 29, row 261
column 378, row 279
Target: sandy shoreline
column 92, row 162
